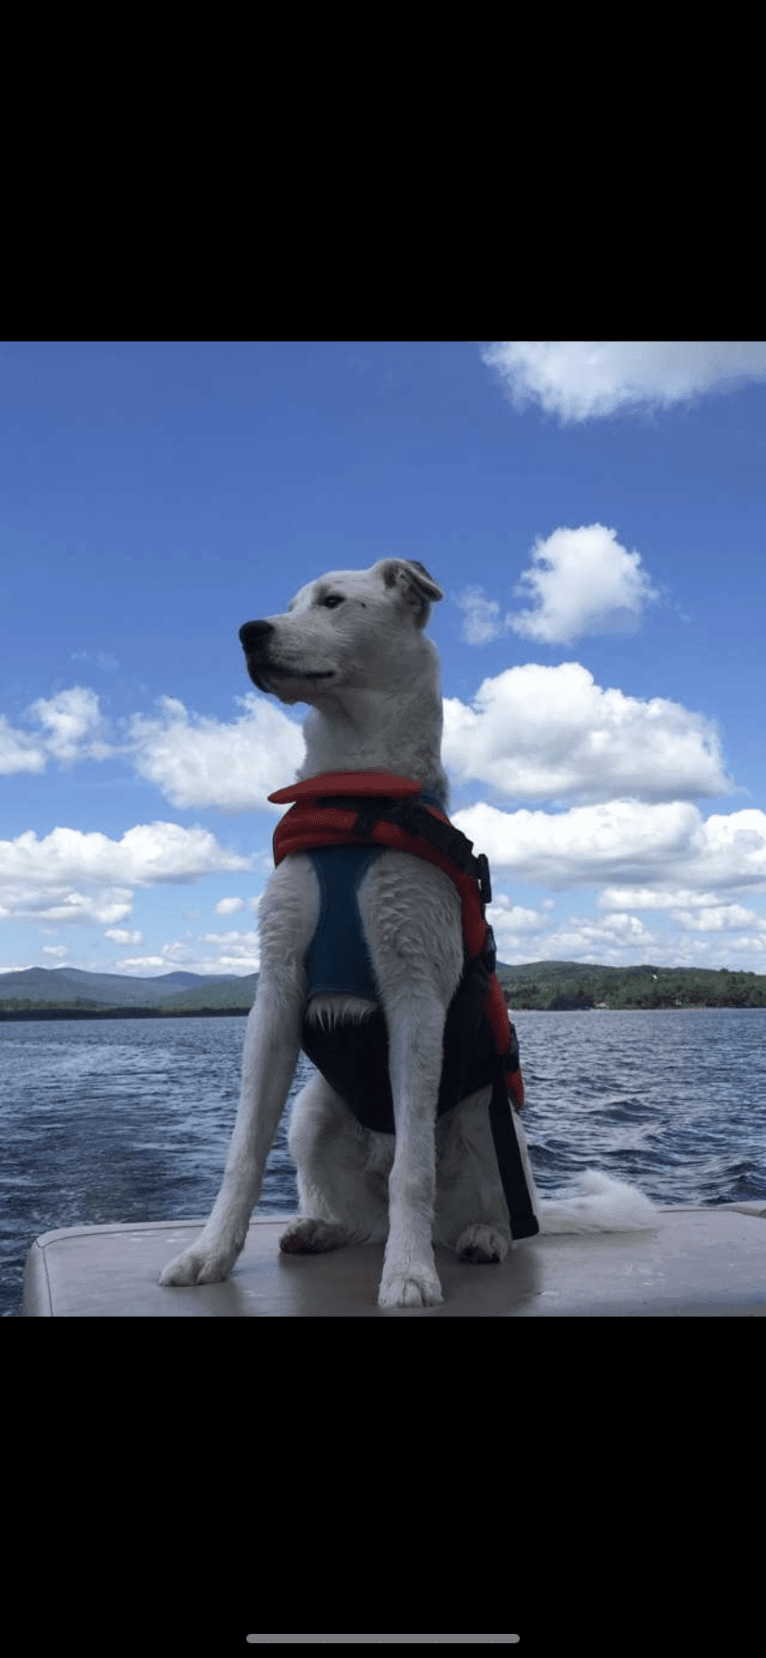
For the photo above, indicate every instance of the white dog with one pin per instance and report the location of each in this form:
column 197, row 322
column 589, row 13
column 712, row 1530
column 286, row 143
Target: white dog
column 352, row 645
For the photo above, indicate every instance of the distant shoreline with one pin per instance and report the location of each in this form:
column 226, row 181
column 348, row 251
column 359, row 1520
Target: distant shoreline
column 11, row 1014
column 15, row 1016
column 535, row 987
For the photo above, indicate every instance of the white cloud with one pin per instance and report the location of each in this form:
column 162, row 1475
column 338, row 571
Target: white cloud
column 482, row 619
column 653, row 898
column 747, row 945
column 538, row 733
column 581, row 939
column 232, row 940
column 74, row 725
column 582, row 582
column 237, row 952
column 179, row 953
column 77, row 877
column 620, row 938
column 18, row 751
column 194, row 760
column 55, row 950
column 232, row 906
column 694, row 912
column 730, row 851
column 719, row 918
column 527, row 935
column 591, row 379
column 623, row 842
column 524, row 935
column 73, row 729
column 520, row 933
column 199, row 761
column 503, row 913
column 214, row 953
column 103, row 659
column 121, row 935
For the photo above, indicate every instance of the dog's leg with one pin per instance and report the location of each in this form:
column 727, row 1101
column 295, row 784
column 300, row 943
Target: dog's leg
column 411, row 917
column 409, row 1276
column 471, row 1216
column 270, row 1056
column 272, row 1040
column 342, row 1175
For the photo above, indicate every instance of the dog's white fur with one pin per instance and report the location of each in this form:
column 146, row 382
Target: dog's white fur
column 352, row 645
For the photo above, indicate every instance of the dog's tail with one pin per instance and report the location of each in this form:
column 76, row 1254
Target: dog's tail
column 603, row 1205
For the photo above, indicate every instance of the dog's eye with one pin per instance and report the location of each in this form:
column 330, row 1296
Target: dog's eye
column 332, row 601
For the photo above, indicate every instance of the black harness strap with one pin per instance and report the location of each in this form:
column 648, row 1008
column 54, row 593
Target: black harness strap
column 413, row 819
column 524, row 1222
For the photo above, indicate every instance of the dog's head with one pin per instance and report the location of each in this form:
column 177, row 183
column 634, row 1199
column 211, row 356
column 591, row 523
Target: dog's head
column 352, row 628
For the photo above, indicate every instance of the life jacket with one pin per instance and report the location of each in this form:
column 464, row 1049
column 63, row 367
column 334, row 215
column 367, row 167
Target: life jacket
column 343, row 820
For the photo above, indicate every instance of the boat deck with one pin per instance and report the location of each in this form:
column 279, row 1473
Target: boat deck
column 697, row 1261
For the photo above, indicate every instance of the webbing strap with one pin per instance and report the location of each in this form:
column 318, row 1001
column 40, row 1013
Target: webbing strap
column 524, row 1223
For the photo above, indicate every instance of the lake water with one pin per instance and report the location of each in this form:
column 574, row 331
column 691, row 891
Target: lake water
column 129, row 1119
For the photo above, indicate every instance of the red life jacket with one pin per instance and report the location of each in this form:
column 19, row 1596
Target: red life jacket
column 380, row 808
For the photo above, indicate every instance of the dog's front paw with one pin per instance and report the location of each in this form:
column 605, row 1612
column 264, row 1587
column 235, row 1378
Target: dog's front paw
column 481, row 1244
column 312, row 1237
column 410, row 1288
column 199, row 1265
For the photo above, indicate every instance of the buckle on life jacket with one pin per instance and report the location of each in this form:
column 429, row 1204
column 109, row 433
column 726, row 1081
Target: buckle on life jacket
column 485, row 885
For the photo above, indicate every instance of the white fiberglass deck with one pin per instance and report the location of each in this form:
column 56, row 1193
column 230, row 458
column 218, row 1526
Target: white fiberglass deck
column 697, row 1261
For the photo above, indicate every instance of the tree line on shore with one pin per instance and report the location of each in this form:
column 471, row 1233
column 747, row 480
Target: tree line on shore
column 573, row 986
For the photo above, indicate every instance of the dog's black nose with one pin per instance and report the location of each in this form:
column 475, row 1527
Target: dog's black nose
column 253, row 634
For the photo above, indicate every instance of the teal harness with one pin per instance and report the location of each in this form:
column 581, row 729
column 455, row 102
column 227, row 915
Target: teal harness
column 337, row 959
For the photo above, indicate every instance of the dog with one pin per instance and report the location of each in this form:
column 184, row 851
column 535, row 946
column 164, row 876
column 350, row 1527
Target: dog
column 352, row 645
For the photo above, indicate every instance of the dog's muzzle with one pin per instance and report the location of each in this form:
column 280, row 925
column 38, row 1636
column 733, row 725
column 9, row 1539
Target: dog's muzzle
column 254, row 638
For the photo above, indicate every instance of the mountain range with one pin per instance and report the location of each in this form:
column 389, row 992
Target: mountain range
column 534, row 985
column 59, row 985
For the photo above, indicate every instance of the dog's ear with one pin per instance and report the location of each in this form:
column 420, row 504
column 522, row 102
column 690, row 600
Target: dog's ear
column 418, row 589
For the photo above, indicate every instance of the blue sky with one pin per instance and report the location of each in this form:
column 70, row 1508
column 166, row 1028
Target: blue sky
column 595, row 514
